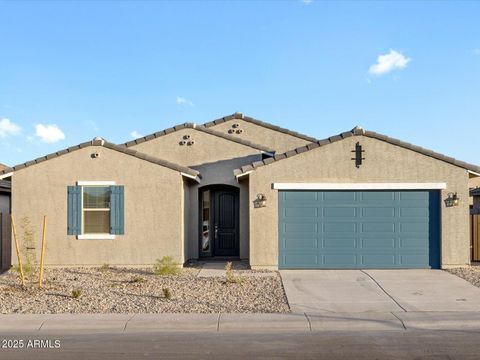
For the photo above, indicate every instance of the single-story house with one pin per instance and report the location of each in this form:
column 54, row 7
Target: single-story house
column 4, row 222
column 241, row 188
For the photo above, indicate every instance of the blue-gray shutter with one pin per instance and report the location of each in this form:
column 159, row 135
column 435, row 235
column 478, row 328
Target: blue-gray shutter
column 117, row 210
column 74, row 212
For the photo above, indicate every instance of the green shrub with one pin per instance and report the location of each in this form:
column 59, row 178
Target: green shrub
column 166, row 266
column 76, row 293
column 167, row 293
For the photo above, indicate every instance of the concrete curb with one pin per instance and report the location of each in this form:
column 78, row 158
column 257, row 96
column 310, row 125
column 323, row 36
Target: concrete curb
column 222, row 323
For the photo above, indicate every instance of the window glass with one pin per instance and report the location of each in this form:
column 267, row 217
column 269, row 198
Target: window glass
column 96, row 197
column 97, row 222
column 96, row 210
column 206, row 221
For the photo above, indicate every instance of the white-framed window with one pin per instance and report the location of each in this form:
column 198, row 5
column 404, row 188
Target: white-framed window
column 95, row 207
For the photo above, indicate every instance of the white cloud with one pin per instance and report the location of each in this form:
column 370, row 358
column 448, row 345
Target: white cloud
column 49, row 133
column 307, row 2
column 389, row 62
column 182, row 101
column 476, row 51
column 135, row 134
column 8, row 128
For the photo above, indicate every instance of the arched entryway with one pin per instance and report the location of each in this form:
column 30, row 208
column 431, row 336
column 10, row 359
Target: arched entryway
column 219, row 221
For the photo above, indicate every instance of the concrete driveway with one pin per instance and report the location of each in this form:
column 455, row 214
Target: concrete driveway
column 356, row 291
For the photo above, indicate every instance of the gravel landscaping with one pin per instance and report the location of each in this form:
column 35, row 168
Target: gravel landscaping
column 470, row 273
column 127, row 290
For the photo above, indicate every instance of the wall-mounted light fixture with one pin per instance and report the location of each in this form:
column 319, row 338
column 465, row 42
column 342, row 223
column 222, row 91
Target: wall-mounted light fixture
column 260, row 201
column 451, row 200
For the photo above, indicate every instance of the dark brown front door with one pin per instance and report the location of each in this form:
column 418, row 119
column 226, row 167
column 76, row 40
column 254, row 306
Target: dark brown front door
column 225, row 223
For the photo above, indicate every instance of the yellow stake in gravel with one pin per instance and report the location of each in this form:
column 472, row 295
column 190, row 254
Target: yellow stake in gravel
column 40, row 281
column 18, row 250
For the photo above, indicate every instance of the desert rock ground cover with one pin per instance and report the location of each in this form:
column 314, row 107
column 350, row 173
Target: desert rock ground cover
column 127, row 290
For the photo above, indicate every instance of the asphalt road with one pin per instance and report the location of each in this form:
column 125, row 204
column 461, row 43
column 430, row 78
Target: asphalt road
column 418, row 345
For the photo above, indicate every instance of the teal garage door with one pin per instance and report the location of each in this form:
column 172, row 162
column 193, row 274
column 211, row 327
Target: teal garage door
column 359, row 229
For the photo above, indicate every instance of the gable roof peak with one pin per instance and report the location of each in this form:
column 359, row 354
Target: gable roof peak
column 238, row 115
column 358, row 130
column 98, row 140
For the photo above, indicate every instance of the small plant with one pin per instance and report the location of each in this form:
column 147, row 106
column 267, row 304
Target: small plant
column 229, row 274
column 137, row 279
column 76, row 293
column 105, row 268
column 167, row 293
column 165, row 266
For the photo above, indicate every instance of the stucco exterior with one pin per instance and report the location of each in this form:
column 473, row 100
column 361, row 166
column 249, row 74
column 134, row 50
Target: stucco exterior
column 162, row 181
column 215, row 158
column 154, row 208
column 278, row 141
column 332, row 164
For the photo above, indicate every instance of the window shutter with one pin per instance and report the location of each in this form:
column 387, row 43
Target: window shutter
column 74, row 210
column 117, row 210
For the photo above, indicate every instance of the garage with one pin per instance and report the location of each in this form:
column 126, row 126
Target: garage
column 352, row 229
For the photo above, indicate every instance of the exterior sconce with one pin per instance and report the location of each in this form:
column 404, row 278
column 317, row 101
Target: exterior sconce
column 260, row 201
column 451, row 200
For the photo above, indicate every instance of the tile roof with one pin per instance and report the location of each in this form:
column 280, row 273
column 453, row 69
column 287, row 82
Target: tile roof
column 357, row 131
column 199, row 128
column 2, row 166
column 108, row 145
column 249, row 119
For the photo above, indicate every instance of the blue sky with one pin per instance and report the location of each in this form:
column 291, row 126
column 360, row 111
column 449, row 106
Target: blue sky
column 70, row 71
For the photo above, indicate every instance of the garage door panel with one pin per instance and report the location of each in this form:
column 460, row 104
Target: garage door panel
column 340, row 259
column 300, row 212
column 376, row 243
column 359, row 229
column 343, row 243
column 414, row 195
column 378, row 227
column 378, row 260
column 415, row 227
column 341, row 196
column 369, row 196
column 414, row 212
column 378, row 212
column 340, row 226
column 301, row 243
column 301, row 260
column 301, row 196
column 340, row 212
column 301, row 227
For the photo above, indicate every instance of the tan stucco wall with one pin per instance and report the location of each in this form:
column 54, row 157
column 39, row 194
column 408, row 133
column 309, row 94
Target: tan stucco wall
column 206, row 149
column 153, row 208
column 275, row 140
column 215, row 158
column 384, row 163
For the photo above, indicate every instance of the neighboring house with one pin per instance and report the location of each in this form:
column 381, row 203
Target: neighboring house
column 475, row 194
column 238, row 187
column 5, row 231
